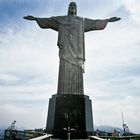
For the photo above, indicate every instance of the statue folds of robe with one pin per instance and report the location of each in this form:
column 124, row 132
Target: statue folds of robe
column 71, row 48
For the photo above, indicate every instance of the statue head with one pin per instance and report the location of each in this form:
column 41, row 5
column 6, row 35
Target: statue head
column 72, row 10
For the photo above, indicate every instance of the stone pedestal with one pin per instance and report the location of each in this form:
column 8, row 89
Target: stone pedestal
column 69, row 112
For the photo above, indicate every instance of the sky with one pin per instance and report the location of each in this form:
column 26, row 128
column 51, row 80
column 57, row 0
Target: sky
column 29, row 62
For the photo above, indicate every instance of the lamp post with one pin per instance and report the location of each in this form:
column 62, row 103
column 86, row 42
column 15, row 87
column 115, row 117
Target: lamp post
column 68, row 129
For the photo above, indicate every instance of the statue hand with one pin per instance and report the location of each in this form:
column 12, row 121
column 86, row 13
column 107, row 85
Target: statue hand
column 113, row 19
column 29, row 18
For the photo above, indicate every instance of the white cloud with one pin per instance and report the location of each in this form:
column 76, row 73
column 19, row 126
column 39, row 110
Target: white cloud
column 104, row 112
column 8, row 77
column 25, row 117
column 133, row 8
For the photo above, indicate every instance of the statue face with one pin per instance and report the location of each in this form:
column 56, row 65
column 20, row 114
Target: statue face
column 72, row 8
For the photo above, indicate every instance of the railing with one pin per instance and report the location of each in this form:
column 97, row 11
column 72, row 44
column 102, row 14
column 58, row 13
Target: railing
column 44, row 137
column 133, row 137
column 95, row 138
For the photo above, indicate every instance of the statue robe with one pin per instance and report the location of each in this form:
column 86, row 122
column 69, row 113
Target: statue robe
column 71, row 48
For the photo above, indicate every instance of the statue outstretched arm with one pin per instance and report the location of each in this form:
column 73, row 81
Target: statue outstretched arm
column 44, row 22
column 113, row 19
column 29, row 17
column 91, row 25
column 101, row 24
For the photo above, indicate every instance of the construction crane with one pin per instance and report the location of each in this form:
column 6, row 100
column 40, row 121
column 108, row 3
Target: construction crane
column 125, row 127
column 12, row 126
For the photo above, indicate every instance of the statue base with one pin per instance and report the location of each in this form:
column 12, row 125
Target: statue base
column 70, row 115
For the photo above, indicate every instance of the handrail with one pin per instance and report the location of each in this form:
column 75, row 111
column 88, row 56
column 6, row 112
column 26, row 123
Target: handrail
column 96, row 138
column 42, row 137
column 121, row 137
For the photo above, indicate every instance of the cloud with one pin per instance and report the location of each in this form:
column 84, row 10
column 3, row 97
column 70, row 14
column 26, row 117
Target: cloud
column 132, row 6
column 104, row 112
column 24, row 52
column 25, row 60
column 22, row 116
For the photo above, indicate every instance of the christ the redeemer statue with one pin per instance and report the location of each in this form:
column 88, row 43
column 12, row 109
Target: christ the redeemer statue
column 71, row 29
